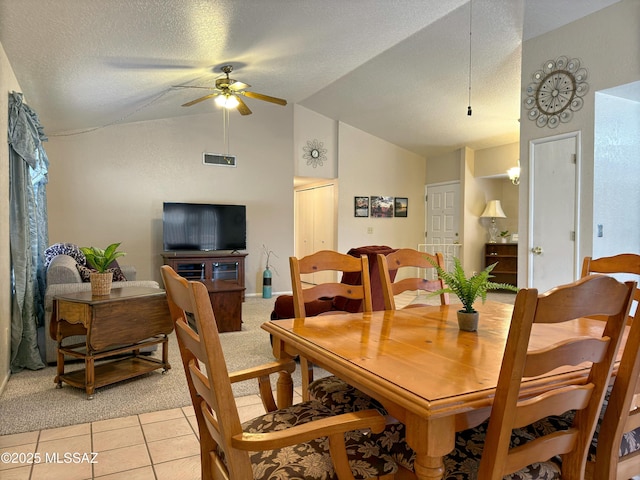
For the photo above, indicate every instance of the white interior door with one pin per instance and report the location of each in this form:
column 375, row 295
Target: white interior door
column 554, row 216
column 315, row 226
column 443, row 219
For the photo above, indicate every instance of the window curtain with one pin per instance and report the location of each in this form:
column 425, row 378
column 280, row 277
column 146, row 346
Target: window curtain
column 28, row 166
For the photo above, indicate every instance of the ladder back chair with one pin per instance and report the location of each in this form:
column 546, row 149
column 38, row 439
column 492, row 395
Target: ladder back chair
column 410, row 258
column 618, row 440
column 301, row 441
column 504, row 446
column 322, row 261
column 338, row 394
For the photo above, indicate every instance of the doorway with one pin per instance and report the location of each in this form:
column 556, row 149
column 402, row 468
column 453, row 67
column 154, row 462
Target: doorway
column 315, row 214
column 443, row 220
column 554, row 211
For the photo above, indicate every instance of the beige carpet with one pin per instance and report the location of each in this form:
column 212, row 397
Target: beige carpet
column 31, row 401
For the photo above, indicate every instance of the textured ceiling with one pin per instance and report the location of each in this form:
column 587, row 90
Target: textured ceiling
column 398, row 69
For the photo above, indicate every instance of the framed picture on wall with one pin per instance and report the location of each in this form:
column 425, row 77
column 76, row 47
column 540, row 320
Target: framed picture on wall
column 361, row 207
column 400, row 205
column 381, row 207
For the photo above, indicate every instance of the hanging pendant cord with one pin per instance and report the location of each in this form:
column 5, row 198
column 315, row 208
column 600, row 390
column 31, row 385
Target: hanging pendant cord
column 470, row 16
column 225, row 122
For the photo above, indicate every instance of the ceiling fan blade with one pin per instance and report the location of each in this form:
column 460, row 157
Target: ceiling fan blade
column 193, row 86
column 198, row 100
column 242, row 107
column 266, row 98
column 235, row 86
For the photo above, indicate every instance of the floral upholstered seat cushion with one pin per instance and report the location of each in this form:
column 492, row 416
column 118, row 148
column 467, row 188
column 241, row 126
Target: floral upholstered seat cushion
column 312, row 460
column 463, row 462
column 340, row 397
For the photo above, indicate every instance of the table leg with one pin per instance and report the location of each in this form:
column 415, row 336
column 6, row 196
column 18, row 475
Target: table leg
column 431, row 439
column 284, row 386
column 59, row 367
column 284, row 390
column 165, row 354
column 89, row 376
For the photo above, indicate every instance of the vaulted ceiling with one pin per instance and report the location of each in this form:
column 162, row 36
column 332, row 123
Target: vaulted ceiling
column 398, row 69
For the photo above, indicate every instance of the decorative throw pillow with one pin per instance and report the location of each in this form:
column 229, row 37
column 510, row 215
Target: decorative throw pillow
column 85, row 273
column 64, row 249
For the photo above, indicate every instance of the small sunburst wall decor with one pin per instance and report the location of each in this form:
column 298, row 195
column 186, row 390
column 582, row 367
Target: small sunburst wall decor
column 314, row 153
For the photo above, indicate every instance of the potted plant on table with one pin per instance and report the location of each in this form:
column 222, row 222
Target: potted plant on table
column 469, row 290
column 504, row 236
column 100, row 260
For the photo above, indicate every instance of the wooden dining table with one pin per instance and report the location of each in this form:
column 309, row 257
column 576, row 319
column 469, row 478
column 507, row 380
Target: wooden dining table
column 428, row 374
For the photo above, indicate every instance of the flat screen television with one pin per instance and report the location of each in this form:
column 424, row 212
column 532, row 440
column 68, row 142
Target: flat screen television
column 203, row 227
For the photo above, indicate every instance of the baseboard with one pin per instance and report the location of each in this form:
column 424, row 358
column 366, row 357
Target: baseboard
column 275, row 294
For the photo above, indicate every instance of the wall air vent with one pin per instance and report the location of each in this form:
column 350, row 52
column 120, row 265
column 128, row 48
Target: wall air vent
column 219, row 159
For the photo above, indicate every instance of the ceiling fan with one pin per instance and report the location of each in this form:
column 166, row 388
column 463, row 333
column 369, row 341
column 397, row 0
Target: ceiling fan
column 228, row 92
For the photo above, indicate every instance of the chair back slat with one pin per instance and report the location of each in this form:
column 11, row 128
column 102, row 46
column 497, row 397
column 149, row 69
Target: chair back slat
column 571, row 397
column 585, row 297
column 405, row 258
column 569, row 352
column 354, row 292
column 621, row 416
column 546, row 447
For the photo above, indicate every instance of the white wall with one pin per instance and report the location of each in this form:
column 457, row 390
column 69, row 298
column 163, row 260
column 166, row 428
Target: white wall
column 108, row 185
column 310, row 126
column 369, row 166
column 616, row 174
column 608, row 45
column 8, row 83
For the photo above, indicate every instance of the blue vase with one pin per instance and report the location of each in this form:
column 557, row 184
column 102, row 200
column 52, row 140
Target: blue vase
column 266, row 283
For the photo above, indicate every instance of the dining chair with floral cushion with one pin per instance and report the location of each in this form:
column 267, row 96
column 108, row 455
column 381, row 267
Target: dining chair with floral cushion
column 615, row 448
column 399, row 265
column 503, row 447
column 318, row 262
column 303, row 441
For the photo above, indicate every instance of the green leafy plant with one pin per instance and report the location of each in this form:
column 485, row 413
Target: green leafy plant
column 101, row 259
column 469, row 289
column 504, row 233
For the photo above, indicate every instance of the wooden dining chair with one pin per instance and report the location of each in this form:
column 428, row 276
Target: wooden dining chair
column 323, row 261
column 301, row 441
column 503, row 447
column 335, row 392
column 617, row 443
column 408, row 258
column 615, row 447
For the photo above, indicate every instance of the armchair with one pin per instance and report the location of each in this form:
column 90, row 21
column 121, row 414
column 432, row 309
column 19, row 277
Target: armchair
column 63, row 277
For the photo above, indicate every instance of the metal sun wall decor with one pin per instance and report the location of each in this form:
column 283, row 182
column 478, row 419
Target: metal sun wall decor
column 314, row 153
column 556, row 92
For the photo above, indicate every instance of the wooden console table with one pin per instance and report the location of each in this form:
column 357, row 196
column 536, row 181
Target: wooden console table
column 223, row 274
column 117, row 324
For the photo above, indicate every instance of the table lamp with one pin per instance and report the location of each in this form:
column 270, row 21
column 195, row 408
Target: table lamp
column 493, row 210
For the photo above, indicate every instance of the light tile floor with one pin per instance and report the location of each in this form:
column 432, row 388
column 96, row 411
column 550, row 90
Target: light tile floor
column 151, row 446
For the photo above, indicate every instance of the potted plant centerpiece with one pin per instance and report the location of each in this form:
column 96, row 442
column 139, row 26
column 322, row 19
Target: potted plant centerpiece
column 504, row 236
column 100, row 260
column 469, row 290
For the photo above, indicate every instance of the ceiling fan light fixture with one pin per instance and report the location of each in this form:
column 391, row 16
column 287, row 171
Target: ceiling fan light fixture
column 232, row 102
column 227, row 101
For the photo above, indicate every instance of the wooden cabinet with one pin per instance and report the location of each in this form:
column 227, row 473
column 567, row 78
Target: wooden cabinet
column 223, row 275
column 115, row 326
column 506, row 254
